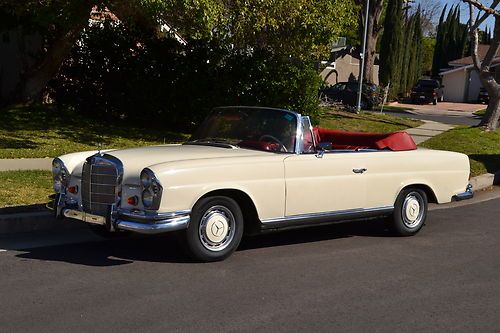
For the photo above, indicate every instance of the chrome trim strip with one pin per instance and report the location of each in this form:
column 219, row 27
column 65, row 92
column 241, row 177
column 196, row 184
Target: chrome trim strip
column 172, row 224
column 150, row 217
column 336, row 215
column 468, row 194
column 138, row 221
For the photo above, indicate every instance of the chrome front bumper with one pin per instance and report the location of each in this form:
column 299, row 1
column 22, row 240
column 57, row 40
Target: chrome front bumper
column 468, row 194
column 136, row 221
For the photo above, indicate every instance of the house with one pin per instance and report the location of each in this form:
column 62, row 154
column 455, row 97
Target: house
column 344, row 64
column 461, row 81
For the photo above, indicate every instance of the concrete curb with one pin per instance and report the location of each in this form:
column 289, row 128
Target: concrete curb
column 44, row 220
column 483, row 182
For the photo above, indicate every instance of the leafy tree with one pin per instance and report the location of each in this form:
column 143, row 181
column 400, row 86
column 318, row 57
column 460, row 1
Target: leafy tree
column 299, row 29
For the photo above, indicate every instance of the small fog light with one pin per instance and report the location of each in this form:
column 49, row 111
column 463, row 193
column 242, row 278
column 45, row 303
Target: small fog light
column 133, row 200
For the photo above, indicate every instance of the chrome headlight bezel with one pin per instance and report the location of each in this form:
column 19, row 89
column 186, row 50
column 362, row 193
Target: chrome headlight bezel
column 151, row 190
column 60, row 175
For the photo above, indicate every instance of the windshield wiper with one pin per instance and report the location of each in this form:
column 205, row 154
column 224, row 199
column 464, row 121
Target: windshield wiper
column 217, row 142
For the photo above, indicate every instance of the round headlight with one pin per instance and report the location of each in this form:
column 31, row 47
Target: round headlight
column 147, row 198
column 60, row 175
column 151, row 190
column 146, row 178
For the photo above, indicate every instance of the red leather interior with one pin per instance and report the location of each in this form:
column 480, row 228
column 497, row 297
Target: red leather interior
column 260, row 145
column 398, row 141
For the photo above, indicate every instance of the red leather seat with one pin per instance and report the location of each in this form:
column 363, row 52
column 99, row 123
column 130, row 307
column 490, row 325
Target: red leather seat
column 260, row 145
column 398, row 141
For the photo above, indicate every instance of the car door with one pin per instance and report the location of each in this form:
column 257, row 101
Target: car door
column 335, row 182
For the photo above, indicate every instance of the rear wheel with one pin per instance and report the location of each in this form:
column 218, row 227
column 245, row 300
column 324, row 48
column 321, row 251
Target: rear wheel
column 410, row 212
column 215, row 229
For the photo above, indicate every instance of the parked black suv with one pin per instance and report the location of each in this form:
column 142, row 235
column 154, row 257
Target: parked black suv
column 427, row 91
column 347, row 94
column 483, row 96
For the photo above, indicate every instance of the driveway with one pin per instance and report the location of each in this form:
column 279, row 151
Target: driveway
column 447, row 113
column 443, row 107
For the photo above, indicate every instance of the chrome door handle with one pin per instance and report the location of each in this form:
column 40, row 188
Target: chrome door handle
column 363, row 170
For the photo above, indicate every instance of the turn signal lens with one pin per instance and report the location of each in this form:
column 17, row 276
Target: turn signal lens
column 133, row 200
column 73, row 189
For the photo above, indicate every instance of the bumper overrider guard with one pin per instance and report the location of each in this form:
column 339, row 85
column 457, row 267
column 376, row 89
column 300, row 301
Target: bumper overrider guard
column 136, row 221
column 468, row 194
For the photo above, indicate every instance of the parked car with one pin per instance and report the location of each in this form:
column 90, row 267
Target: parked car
column 483, row 96
column 252, row 170
column 347, row 94
column 427, row 91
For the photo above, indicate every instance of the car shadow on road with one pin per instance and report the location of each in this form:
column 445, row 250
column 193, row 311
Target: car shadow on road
column 166, row 248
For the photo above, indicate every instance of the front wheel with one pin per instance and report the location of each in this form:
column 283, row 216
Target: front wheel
column 435, row 101
column 410, row 212
column 215, row 229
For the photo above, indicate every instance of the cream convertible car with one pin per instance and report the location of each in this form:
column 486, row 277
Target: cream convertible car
column 250, row 170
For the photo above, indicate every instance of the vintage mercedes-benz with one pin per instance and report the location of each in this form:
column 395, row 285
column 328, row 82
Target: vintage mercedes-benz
column 250, row 170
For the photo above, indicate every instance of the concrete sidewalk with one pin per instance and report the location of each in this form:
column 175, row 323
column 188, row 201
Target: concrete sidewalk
column 26, row 164
column 428, row 130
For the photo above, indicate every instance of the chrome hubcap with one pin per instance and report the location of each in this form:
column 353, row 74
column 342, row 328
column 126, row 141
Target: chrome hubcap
column 413, row 210
column 216, row 229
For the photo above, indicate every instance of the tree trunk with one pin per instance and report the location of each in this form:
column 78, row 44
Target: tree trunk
column 374, row 30
column 37, row 79
column 490, row 119
column 483, row 66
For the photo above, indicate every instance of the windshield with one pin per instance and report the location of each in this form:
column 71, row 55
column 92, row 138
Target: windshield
column 427, row 84
column 252, row 128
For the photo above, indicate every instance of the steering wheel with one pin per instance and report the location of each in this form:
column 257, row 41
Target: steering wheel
column 275, row 139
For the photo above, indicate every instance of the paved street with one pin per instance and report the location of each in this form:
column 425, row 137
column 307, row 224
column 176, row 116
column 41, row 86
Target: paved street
column 351, row 277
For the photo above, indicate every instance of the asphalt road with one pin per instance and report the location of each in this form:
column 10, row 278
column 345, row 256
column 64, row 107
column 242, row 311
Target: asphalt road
column 353, row 277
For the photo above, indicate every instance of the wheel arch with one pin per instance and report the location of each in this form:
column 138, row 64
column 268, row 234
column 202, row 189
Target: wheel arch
column 250, row 215
column 431, row 196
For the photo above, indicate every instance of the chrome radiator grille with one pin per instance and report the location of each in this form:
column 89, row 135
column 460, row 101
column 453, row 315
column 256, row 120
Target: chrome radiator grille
column 100, row 180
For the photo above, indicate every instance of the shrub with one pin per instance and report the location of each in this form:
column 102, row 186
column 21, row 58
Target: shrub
column 117, row 73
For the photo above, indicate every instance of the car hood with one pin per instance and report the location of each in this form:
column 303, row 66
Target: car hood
column 134, row 160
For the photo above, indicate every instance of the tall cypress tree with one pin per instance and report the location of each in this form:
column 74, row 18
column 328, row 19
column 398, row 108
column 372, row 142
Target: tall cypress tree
column 406, row 54
column 451, row 40
column 439, row 42
column 390, row 47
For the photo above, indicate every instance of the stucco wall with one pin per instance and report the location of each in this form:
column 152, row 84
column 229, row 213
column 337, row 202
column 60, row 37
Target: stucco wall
column 454, row 86
column 474, row 86
column 347, row 69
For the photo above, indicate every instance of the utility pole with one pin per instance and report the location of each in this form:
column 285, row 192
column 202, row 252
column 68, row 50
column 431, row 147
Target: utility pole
column 362, row 69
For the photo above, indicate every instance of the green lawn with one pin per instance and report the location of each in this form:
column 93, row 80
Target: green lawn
column 483, row 148
column 480, row 112
column 24, row 187
column 397, row 108
column 365, row 122
column 40, row 131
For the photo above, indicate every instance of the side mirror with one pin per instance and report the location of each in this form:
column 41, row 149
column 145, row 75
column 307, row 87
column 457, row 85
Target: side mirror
column 325, row 146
